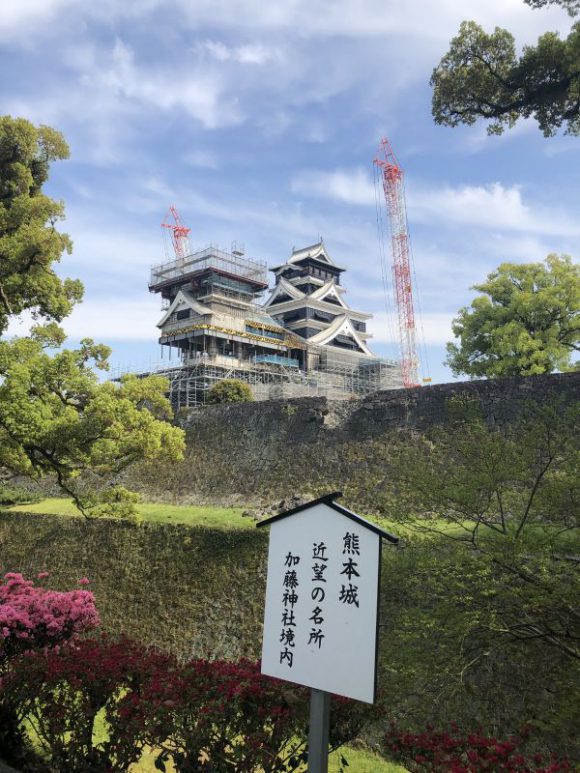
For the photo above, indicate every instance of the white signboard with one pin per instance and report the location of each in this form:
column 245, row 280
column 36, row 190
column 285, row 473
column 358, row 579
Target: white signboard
column 320, row 623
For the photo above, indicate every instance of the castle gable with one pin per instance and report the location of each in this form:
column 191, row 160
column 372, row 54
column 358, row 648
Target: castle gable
column 341, row 333
column 329, row 292
column 314, row 252
column 183, row 301
column 283, row 292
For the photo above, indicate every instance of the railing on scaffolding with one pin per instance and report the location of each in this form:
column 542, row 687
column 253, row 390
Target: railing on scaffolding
column 210, row 258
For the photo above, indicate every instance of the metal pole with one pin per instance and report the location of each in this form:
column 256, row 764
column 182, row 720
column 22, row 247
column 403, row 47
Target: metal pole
column 318, row 731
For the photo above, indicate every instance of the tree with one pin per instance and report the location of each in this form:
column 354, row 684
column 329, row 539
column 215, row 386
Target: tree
column 484, row 623
column 55, row 416
column 482, row 76
column 230, row 390
column 30, row 245
column 526, row 322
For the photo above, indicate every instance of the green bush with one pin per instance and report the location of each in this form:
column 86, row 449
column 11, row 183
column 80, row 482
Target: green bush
column 115, row 502
column 17, row 495
column 230, row 390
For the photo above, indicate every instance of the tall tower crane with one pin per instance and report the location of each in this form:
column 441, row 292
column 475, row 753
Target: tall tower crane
column 179, row 233
column 393, row 187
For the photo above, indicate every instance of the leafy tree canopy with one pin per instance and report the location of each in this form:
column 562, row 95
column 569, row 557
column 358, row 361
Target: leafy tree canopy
column 484, row 623
column 230, row 390
column 55, row 416
column 525, row 322
column 30, row 244
column 482, row 76
column 572, row 6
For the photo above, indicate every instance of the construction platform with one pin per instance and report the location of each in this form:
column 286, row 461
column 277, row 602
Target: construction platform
column 274, row 379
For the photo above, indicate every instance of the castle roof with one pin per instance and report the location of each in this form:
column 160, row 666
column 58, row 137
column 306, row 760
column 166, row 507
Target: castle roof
column 183, row 299
column 265, row 319
column 328, row 289
column 316, row 252
column 341, row 326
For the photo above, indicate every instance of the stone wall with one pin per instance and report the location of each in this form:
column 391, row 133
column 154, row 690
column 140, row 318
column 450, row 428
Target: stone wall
column 251, row 453
column 189, row 590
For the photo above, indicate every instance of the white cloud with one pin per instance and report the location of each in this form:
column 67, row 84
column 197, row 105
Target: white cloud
column 308, row 18
column 110, row 318
column 431, row 329
column 352, row 186
column 104, row 251
column 115, row 318
column 111, row 91
column 245, row 54
column 198, row 91
column 493, row 207
column 202, row 159
column 17, row 15
column 218, row 50
column 254, row 54
column 368, row 18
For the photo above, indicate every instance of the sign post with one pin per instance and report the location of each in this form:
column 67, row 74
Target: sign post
column 319, row 731
column 321, row 615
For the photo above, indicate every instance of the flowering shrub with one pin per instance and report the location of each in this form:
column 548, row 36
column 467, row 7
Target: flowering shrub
column 61, row 691
column 220, row 715
column 454, row 752
column 203, row 715
column 224, row 716
column 33, row 617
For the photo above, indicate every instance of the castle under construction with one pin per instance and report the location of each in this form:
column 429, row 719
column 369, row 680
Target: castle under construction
column 303, row 340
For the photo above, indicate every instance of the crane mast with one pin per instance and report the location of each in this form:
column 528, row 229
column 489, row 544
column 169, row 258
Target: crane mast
column 393, row 187
column 179, row 233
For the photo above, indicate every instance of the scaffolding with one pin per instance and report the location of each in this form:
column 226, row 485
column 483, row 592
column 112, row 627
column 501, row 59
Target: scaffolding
column 229, row 284
column 210, row 258
column 190, row 383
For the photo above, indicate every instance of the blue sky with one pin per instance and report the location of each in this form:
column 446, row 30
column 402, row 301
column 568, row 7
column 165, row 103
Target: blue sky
column 260, row 121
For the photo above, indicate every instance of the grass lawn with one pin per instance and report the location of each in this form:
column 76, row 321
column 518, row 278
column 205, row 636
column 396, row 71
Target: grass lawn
column 359, row 761
column 192, row 515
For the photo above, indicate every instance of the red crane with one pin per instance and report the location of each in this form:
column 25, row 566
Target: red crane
column 392, row 179
column 179, row 233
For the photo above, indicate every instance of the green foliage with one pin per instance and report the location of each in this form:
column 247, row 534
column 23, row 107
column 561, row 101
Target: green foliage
column 115, row 502
column 54, row 415
column 17, row 495
column 526, row 322
column 572, row 6
column 481, row 76
column 484, row 622
column 29, row 241
column 230, row 390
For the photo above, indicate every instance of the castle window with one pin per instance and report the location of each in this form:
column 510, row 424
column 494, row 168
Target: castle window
column 345, row 342
column 322, row 316
column 260, row 331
